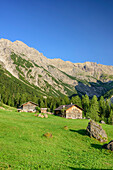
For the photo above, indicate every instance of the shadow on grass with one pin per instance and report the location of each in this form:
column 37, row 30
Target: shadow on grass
column 81, row 131
column 97, row 146
column 77, row 168
column 82, row 168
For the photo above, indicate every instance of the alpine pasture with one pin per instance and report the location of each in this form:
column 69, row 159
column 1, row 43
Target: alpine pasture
column 23, row 146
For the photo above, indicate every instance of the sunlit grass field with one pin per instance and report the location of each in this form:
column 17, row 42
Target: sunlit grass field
column 23, row 146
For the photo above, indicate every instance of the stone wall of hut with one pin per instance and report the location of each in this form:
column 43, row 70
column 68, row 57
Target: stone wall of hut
column 74, row 113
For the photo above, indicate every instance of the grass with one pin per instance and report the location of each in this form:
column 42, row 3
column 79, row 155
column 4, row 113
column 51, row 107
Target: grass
column 19, row 61
column 6, row 107
column 23, row 146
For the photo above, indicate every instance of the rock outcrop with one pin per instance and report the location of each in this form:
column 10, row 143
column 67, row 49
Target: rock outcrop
column 108, row 146
column 45, row 115
column 95, row 130
column 102, row 122
column 60, row 76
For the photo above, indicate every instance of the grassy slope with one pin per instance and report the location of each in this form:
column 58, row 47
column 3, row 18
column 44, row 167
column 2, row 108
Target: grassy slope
column 22, row 145
column 6, row 107
column 14, row 85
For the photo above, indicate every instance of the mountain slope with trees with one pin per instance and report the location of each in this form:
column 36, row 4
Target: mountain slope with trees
column 54, row 77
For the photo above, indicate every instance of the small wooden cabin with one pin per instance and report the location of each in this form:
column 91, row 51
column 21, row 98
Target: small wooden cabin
column 28, row 107
column 71, row 111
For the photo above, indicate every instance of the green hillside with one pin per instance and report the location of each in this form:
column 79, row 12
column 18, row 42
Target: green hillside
column 46, row 84
column 10, row 87
column 10, row 83
column 23, row 146
column 109, row 94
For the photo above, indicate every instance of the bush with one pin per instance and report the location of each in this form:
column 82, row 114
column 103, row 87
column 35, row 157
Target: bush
column 38, row 109
column 48, row 109
column 1, row 104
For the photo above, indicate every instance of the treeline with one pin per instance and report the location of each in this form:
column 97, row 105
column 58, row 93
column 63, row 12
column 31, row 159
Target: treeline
column 96, row 109
column 14, row 93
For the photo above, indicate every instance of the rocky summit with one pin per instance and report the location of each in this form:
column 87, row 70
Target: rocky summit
column 54, row 77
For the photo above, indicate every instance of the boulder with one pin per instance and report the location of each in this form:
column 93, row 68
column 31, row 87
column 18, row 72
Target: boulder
column 45, row 115
column 42, row 116
column 65, row 127
column 2, row 108
column 102, row 122
column 95, row 130
column 48, row 135
column 49, row 113
column 39, row 115
column 108, row 146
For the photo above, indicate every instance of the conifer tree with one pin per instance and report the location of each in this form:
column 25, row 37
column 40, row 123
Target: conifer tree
column 5, row 98
column 45, row 103
column 107, row 112
column 54, row 107
column 22, row 99
column 85, row 102
column 34, row 99
column 66, row 100
column 102, row 107
column 17, row 99
column 9, row 101
column 63, row 102
column 110, row 119
column 93, row 111
column 12, row 101
column 76, row 100
column 42, row 104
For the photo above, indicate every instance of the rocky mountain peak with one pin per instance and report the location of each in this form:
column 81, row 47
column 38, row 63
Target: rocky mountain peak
column 63, row 76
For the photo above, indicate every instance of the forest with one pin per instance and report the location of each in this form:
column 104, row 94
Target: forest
column 14, row 93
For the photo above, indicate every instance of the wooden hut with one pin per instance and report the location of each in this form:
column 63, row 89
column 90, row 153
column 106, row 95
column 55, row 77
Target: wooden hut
column 28, row 107
column 71, row 111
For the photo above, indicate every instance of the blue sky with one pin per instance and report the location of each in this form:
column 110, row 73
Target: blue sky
column 73, row 30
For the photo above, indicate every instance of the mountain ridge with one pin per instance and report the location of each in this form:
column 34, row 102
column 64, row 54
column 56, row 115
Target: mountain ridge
column 54, row 75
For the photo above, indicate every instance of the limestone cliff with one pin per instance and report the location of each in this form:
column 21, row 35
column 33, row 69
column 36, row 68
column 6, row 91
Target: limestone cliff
column 54, row 76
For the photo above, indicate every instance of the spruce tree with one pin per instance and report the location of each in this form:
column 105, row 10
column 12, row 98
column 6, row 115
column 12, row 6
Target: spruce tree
column 110, row 119
column 54, row 107
column 9, row 101
column 63, row 102
column 93, row 111
column 107, row 112
column 42, row 104
column 102, row 107
column 45, row 103
column 66, row 100
column 85, row 102
column 76, row 100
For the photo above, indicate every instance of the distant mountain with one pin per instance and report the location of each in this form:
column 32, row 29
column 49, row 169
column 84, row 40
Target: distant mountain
column 53, row 77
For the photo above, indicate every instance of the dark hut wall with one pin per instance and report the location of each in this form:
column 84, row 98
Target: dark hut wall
column 58, row 112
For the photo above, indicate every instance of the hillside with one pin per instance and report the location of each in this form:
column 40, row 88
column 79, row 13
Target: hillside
column 23, row 145
column 53, row 77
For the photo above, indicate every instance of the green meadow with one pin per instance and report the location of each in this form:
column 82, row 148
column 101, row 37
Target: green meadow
column 23, row 146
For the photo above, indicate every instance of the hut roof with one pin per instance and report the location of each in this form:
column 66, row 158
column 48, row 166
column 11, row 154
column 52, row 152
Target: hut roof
column 29, row 102
column 67, row 107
